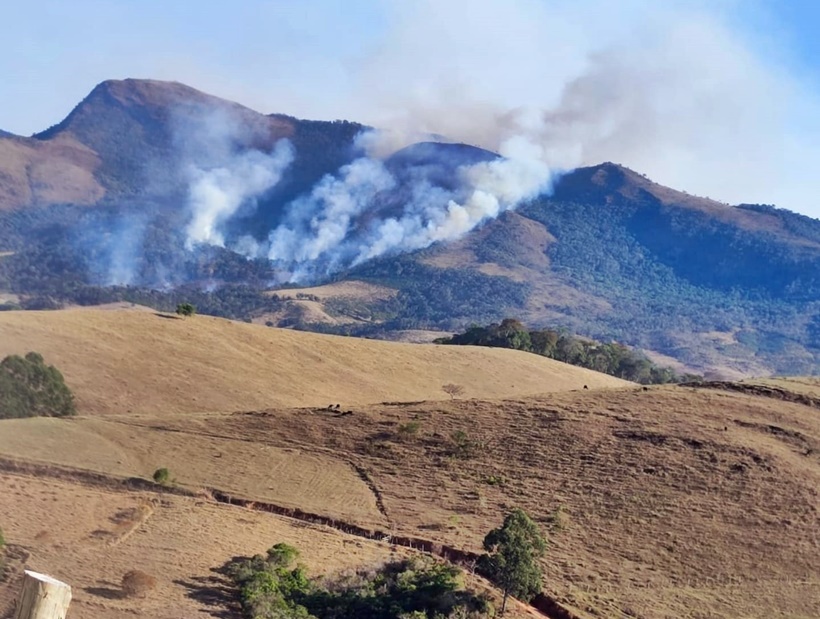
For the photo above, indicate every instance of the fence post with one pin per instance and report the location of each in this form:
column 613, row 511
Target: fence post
column 42, row 597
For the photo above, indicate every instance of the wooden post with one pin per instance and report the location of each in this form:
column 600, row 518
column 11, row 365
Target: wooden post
column 43, row 597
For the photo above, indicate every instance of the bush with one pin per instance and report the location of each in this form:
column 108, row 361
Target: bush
column 409, row 429
column 137, row 584
column 30, row 388
column 270, row 588
column 162, row 476
column 185, row 309
column 463, row 446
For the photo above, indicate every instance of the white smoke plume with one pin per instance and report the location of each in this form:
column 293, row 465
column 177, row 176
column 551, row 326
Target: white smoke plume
column 217, row 193
column 492, row 187
column 339, row 224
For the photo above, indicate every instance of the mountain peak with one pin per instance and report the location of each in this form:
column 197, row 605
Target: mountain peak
column 137, row 97
column 610, row 182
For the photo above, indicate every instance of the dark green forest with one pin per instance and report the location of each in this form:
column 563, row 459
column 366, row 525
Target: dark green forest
column 610, row 358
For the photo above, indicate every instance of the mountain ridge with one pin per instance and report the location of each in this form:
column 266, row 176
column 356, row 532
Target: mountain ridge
column 733, row 290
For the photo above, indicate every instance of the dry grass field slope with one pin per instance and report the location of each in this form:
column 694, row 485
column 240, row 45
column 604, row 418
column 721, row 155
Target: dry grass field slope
column 670, row 502
column 132, row 361
column 663, row 502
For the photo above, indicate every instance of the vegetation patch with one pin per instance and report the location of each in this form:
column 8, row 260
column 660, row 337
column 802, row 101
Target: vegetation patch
column 162, row 476
column 30, row 388
column 610, row 358
column 136, row 583
column 274, row 586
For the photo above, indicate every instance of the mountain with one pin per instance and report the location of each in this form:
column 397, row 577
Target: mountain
column 101, row 199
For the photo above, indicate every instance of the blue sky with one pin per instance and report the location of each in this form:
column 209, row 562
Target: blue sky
column 718, row 97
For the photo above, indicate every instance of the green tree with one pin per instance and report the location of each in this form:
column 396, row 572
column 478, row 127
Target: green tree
column 512, row 556
column 186, row 309
column 162, row 476
column 29, row 388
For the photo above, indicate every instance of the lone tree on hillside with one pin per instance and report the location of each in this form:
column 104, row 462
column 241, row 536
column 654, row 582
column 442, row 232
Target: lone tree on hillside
column 29, row 388
column 512, row 556
column 452, row 390
column 185, row 310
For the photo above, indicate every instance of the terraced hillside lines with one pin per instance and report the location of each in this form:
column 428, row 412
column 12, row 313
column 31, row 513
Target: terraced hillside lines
column 65, row 529
column 130, row 362
column 664, row 503
column 287, row 476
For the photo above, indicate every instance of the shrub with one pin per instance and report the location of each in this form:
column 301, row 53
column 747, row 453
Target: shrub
column 559, row 519
column 463, row 446
column 452, row 390
column 186, row 309
column 136, row 583
column 162, row 476
column 30, row 388
column 409, row 429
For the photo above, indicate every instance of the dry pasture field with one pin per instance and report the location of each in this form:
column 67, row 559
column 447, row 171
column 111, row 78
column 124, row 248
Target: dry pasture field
column 91, row 537
column 662, row 502
column 132, row 362
column 669, row 502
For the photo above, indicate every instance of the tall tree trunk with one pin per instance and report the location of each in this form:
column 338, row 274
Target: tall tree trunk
column 504, row 602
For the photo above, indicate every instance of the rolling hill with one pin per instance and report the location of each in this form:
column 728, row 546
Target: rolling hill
column 681, row 502
column 133, row 361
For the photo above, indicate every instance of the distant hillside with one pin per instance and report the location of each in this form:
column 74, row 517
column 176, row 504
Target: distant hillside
column 726, row 290
column 130, row 360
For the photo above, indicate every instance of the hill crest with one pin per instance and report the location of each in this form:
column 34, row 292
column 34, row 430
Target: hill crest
column 131, row 360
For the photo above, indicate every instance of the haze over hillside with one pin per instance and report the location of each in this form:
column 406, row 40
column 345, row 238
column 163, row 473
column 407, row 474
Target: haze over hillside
column 154, row 192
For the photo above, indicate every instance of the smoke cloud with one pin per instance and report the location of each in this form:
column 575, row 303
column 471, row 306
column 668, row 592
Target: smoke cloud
column 217, row 193
column 112, row 244
column 676, row 90
column 342, row 222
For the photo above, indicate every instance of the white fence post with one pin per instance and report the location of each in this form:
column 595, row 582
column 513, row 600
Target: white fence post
column 43, row 597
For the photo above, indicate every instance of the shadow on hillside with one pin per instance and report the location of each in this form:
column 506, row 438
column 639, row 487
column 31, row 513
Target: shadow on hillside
column 109, row 593
column 167, row 316
column 215, row 591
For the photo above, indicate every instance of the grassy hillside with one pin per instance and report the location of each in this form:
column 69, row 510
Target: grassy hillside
column 670, row 502
column 136, row 361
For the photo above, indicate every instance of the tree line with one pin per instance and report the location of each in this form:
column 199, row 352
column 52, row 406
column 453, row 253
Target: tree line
column 275, row 586
column 611, row 358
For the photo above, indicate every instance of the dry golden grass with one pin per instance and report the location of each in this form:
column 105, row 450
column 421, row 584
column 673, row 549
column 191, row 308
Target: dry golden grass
column 353, row 289
column 666, row 502
column 197, row 458
column 121, row 362
column 180, row 545
column 672, row 502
